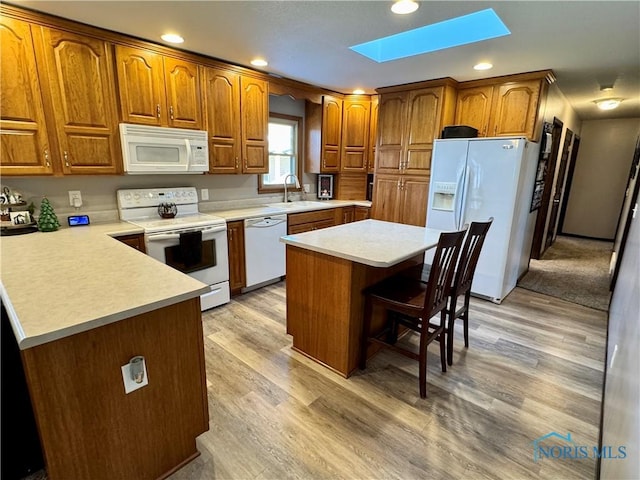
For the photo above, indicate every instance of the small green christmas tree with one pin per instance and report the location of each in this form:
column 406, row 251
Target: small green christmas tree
column 47, row 222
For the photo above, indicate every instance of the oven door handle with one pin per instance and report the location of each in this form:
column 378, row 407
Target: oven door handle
column 174, row 236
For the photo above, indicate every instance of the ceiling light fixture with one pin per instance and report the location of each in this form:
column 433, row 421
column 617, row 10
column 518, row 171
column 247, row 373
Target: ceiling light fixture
column 259, row 62
column 172, row 38
column 402, row 7
column 608, row 103
column 358, row 91
column 483, row 66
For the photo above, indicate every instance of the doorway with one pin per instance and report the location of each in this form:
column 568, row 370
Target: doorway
column 567, row 189
column 557, row 195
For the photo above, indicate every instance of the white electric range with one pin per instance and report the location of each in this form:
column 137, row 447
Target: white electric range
column 191, row 242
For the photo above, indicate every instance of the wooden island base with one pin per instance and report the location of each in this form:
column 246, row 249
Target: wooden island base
column 325, row 305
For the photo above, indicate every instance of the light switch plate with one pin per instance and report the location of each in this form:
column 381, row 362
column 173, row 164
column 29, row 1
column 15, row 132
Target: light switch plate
column 204, row 194
column 129, row 384
column 307, row 188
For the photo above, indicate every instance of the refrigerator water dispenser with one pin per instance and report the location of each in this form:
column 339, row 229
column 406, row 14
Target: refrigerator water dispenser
column 444, row 194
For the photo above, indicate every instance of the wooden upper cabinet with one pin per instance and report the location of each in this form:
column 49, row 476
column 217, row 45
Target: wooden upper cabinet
column 25, row 143
column 157, row 90
column 81, row 87
column 408, row 123
column 473, row 108
column 515, row 109
column 254, row 111
column 356, row 115
column 504, row 106
column 392, row 113
column 331, row 134
column 423, row 127
column 222, row 103
column 183, row 94
column 373, row 133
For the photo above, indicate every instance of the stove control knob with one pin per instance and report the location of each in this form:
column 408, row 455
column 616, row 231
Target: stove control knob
column 136, row 196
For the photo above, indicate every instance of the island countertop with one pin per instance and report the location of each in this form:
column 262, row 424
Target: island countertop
column 371, row 242
column 57, row 284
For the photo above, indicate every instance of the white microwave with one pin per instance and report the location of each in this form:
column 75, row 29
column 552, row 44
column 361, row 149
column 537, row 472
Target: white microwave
column 161, row 150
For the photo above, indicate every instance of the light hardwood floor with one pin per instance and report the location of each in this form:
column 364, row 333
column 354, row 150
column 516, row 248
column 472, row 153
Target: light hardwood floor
column 535, row 365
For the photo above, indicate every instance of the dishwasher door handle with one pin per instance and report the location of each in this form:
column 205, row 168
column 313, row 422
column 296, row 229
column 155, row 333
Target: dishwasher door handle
column 264, row 222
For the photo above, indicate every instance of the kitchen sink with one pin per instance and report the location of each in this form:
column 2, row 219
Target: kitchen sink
column 298, row 204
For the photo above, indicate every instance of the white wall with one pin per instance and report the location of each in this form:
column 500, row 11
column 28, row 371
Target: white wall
column 600, row 177
column 99, row 192
column 621, row 402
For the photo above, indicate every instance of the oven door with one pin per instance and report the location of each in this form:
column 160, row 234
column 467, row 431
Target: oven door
column 205, row 260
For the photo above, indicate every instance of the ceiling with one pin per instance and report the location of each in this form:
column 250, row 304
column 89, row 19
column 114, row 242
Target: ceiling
column 587, row 44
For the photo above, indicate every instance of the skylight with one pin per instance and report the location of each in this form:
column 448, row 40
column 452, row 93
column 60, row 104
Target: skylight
column 471, row 28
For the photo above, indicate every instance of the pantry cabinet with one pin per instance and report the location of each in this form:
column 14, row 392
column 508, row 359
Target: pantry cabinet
column 408, row 123
column 23, row 130
column 504, row 106
column 237, row 271
column 401, row 199
column 80, row 93
column 237, row 120
column 158, row 90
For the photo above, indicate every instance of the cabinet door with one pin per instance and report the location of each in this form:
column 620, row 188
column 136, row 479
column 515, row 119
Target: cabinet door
column 141, row 86
column 237, row 272
column 343, row 215
column 25, row 144
column 424, row 111
column 222, row 103
column 414, row 192
column 392, row 113
column 182, row 83
column 386, row 198
column 360, row 213
column 473, row 108
column 82, row 87
column 373, row 133
column 254, row 108
column 134, row 241
column 331, row 134
column 515, row 108
column 355, row 135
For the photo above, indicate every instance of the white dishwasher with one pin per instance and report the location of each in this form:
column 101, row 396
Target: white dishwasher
column 264, row 253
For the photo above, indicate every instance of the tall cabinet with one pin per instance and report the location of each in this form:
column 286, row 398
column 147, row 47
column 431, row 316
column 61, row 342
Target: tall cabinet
column 410, row 118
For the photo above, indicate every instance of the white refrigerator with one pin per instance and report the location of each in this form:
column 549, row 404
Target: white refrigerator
column 474, row 179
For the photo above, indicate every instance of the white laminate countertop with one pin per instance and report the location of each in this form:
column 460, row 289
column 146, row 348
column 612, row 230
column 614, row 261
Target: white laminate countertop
column 57, row 284
column 283, row 208
column 370, row 242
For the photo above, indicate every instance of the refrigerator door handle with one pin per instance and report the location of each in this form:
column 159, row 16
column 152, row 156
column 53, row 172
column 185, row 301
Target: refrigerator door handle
column 465, row 191
column 459, row 193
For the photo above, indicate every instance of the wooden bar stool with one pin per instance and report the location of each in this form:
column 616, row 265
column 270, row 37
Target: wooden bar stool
column 413, row 303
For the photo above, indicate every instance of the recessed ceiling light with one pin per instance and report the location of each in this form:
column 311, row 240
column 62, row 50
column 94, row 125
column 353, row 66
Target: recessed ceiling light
column 358, row 91
column 608, row 103
column 172, row 38
column 259, row 62
column 483, row 66
column 402, row 7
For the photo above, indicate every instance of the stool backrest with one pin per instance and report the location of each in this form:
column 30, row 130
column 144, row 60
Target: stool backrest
column 469, row 256
column 442, row 271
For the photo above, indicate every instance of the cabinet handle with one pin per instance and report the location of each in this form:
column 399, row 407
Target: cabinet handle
column 158, row 110
column 237, row 165
column 171, row 112
column 398, row 184
column 66, row 158
column 495, row 130
column 46, row 157
column 230, row 234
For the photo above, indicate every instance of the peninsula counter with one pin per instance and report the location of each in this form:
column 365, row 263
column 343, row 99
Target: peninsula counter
column 328, row 269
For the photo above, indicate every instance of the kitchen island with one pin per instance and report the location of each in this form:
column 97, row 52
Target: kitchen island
column 82, row 304
column 328, row 269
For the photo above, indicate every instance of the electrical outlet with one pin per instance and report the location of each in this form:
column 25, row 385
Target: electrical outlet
column 75, row 198
column 204, row 194
column 129, row 383
column 307, row 188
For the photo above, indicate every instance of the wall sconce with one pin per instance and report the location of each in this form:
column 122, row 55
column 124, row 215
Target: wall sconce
column 608, row 103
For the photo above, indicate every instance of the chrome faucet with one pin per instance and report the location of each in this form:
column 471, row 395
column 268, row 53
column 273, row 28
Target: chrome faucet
column 286, row 198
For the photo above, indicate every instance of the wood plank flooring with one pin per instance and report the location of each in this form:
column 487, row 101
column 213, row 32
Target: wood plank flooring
column 535, row 365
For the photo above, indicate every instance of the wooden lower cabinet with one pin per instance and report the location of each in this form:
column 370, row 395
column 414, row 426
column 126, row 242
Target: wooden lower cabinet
column 307, row 221
column 401, row 199
column 135, row 241
column 90, row 428
column 361, row 213
column 237, row 264
column 344, row 215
